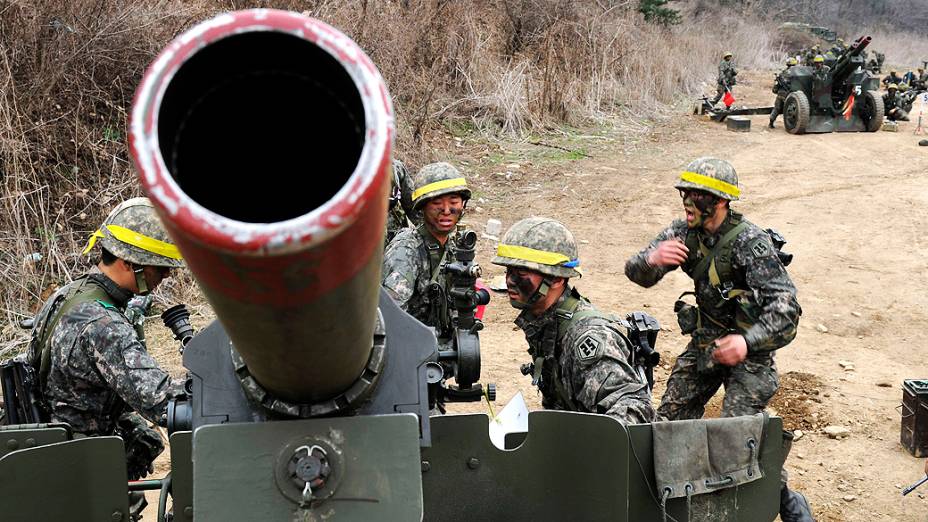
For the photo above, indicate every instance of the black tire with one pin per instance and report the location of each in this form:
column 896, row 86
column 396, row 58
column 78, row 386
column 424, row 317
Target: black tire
column 871, row 111
column 796, row 113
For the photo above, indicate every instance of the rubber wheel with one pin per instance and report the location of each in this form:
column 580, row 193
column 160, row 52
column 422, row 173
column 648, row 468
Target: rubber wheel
column 796, row 113
column 871, row 111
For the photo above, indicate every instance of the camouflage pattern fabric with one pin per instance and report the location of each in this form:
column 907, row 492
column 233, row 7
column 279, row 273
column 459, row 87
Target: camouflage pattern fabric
column 407, row 270
column 892, row 106
column 100, row 370
column 437, row 173
column 820, row 74
column 714, row 168
column 590, row 363
column 749, row 386
column 400, row 213
column 774, row 316
column 143, row 445
column 545, row 235
column 727, row 73
column 138, row 215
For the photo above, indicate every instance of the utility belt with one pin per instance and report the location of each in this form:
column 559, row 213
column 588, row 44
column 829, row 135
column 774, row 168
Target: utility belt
column 706, row 328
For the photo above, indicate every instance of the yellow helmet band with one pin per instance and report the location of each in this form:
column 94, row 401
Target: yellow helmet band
column 712, row 183
column 135, row 239
column 541, row 257
column 438, row 185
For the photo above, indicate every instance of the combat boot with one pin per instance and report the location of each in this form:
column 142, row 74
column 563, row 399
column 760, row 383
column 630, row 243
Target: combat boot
column 794, row 507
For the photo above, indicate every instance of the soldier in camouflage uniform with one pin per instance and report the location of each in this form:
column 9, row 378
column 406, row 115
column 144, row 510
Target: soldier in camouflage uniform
column 94, row 370
column 582, row 360
column 412, row 260
column 893, row 104
column 400, row 213
column 726, row 79
column 820, row 71
column 781, row 89
column 745, row 309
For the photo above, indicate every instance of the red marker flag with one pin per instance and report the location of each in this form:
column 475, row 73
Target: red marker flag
column 728, row 99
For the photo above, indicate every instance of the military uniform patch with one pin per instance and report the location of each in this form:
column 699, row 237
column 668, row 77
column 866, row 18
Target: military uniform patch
column 588, row 347
column 760, row 248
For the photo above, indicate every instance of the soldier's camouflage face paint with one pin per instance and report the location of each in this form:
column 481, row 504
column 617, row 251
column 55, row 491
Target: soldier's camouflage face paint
column 522, row 286
column 699, row 206
column 442, row 214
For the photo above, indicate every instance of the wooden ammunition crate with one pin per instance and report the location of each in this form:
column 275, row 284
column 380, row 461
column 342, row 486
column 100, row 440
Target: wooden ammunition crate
column 914, row 434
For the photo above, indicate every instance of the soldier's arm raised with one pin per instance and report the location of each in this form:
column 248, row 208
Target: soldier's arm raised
column 602, row 379
column 650, row 265
column 127, row 367
column 766, row 277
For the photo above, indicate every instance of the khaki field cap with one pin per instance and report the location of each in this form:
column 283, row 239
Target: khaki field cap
column 134, row 233
column 540, row 244
column 712, row 175
column 438, row 179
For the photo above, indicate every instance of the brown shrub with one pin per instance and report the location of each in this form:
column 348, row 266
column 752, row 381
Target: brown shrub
column 68, row 71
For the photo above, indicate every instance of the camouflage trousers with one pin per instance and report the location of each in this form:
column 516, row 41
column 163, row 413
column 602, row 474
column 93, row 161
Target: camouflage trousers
column 748, row 386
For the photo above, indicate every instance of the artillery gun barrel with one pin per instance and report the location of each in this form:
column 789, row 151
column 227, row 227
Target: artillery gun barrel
column 263, row 138
column 845, row 66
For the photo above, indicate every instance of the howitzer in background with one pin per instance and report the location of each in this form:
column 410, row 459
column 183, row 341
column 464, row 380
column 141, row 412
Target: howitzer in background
column 846, row 99
column 308, row 398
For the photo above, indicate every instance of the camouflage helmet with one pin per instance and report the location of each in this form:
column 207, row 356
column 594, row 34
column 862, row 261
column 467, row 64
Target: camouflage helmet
column 791, row 61
column 891, row 87
column 438, row 179
column 727, row 54
column 818, row 59
column 540, row 244
column 134, row 233
column 903, row 86
column 841, row 41
column 712, row 175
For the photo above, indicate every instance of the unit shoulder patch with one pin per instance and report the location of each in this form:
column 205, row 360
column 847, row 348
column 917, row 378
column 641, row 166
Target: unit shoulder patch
column 588, row 347
column 760, row 247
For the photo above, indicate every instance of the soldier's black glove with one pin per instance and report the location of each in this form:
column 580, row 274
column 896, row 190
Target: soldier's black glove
column 143, row 445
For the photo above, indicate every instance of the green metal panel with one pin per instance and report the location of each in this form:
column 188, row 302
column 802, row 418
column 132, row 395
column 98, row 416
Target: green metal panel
column 182, row 475
column 375, row 462
column 15, row 438
column 754, row 502
column 572, row 466
column 83, row 479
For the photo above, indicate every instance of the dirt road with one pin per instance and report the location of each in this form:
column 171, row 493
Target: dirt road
column 852, row 207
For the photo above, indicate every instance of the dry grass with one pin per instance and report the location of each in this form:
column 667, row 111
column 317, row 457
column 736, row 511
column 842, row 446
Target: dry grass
column 504, row 67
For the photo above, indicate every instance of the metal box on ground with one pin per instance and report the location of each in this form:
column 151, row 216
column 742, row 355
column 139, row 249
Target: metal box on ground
column 914, row 434
column 738, row 124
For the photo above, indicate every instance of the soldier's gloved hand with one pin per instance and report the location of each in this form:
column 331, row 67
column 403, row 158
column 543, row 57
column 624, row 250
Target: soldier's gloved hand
column 730, row 349
column 668, row 253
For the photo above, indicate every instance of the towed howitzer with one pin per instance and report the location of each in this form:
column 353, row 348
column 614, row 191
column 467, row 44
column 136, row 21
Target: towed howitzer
column 845, row 99
column 308, row 397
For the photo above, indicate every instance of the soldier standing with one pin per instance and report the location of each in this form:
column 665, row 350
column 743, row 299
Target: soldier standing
column 745, row 309
column 412, row 260
column 726, row 79
column 819, row 69
column 582, row 361
column 94, row 369
column 781, row 89
column 399, row 211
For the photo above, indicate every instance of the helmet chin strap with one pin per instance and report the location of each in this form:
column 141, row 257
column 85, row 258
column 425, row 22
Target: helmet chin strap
column 140, row 281
column 538, row 295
